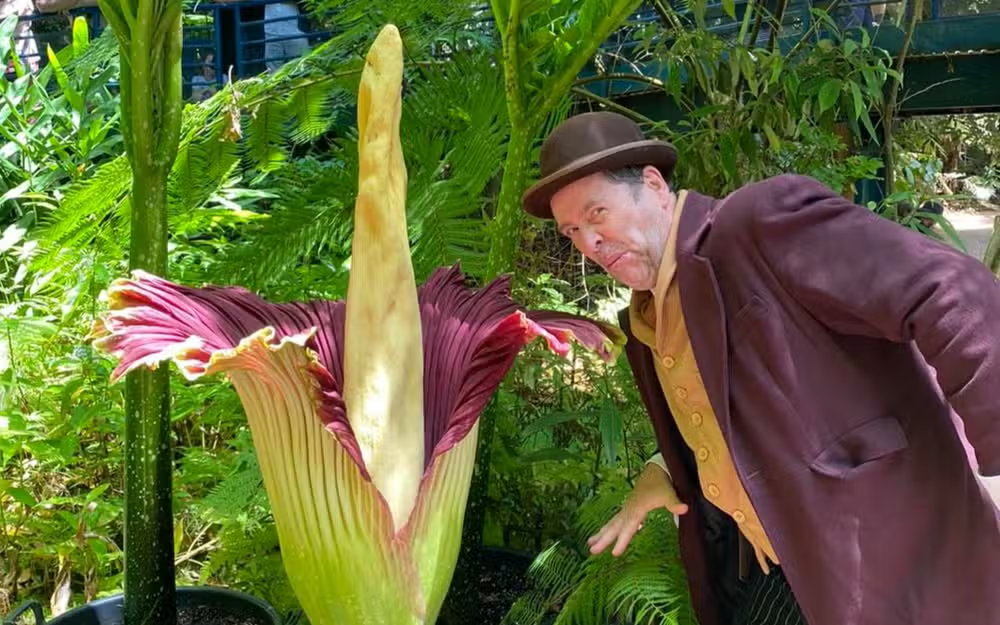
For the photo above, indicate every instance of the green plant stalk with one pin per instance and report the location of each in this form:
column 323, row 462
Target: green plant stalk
column 779, row 18
column 150, row 37
column 149, row 554
column 526, row 119
column 507, row 221
column 992, row 256
column 889, row 113
column 506, row 226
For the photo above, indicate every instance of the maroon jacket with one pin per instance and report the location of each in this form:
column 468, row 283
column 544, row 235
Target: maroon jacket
column 813, row 322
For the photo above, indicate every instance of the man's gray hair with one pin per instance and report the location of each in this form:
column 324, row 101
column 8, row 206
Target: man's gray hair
column 631, row 176
column 626, row 175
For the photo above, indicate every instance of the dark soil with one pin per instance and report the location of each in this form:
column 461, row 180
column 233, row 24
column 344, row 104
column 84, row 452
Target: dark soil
column 500, row 580
column 211, row 615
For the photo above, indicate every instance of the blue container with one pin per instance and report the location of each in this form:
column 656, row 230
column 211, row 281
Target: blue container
column 108, row 611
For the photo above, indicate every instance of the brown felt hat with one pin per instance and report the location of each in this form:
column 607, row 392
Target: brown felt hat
column 589, row 143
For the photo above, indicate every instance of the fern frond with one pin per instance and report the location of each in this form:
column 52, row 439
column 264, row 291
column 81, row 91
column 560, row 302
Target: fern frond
column 233, row 497
column 454, row 135
column 203, row 165
column 646, row 593
column 100, row 55
column 265, row 134
column 311, row 109
column 239, row 547
column 644, row 586
column 311, row 219
column 92, row 210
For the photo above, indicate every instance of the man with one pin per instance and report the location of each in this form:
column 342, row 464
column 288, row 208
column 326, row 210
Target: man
column 799, row 358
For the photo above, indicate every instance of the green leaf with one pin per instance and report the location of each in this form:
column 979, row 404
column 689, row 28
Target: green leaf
column 13, row 234
column 7, row 27
column 310, row 108
column 829, row 93
column 707, row 111
column 266, row 134
column 529, row 8
column 550, row 454
column 698, row 8
column 772, row 137
column 71, row 521
column 553, row 419
column 729, row 6
column 792, row 83
column 867, row 121
column 23, row 497
column 72, row 95
column 859, row 102
column 953, row 237
column 734, row 68
column 94, row 494
column 727, row 151
column 776, row 67
column 97, row 546
column 611, row 428
column 81, row 36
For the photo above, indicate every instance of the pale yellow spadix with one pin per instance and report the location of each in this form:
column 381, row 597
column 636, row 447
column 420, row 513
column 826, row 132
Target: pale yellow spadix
column 383, row 351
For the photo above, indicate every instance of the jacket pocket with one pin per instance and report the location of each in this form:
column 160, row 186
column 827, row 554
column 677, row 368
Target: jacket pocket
column 865, row 443
column 750, row 312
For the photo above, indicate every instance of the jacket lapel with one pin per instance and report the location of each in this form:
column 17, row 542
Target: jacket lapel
column 701, row 303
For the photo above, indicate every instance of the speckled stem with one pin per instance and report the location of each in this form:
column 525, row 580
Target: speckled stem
column 151, row 111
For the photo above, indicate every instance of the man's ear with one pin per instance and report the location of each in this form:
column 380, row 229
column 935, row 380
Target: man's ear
column 652, row 177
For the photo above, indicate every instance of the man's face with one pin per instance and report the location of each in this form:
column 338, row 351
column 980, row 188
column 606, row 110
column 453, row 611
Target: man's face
column 623, row 227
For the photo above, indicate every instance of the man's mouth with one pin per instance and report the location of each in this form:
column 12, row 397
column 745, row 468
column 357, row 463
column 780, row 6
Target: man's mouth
column 614, row 260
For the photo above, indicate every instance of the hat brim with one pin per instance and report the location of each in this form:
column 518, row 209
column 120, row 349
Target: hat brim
column 659, row 154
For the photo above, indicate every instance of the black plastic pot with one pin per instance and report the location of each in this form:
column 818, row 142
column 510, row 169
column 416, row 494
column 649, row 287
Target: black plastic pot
column 108, row 611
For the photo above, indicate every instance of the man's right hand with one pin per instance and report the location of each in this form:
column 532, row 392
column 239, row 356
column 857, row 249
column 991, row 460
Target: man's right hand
column 652, row 490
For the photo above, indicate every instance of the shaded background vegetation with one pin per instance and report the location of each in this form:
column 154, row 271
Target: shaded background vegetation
column 261, row 195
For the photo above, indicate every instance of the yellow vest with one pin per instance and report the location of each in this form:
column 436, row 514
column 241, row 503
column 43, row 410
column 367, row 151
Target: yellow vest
column 658, row 322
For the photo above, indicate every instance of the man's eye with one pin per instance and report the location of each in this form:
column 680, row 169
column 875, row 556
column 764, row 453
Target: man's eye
column 569, row 232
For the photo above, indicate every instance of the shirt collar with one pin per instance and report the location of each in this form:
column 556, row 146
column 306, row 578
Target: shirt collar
column 646, row 307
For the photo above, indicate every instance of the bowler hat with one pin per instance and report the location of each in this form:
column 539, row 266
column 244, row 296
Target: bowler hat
column 588, row 143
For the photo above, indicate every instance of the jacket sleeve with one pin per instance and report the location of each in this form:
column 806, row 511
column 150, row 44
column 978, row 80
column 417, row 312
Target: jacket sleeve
column 862, row 274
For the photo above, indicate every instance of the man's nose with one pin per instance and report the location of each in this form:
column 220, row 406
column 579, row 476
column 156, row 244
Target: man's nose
column 590, row 243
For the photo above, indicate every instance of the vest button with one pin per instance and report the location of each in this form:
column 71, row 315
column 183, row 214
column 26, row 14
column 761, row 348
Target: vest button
column 696, row 418
column 669, row 362
column 703, row 454
column 739, row 517
column 713, row 491
column 682, row 392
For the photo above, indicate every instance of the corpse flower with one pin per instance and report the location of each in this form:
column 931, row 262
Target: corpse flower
column 364, row 413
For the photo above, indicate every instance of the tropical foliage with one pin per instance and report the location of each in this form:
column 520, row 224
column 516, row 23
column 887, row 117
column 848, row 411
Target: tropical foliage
column 261, row 195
